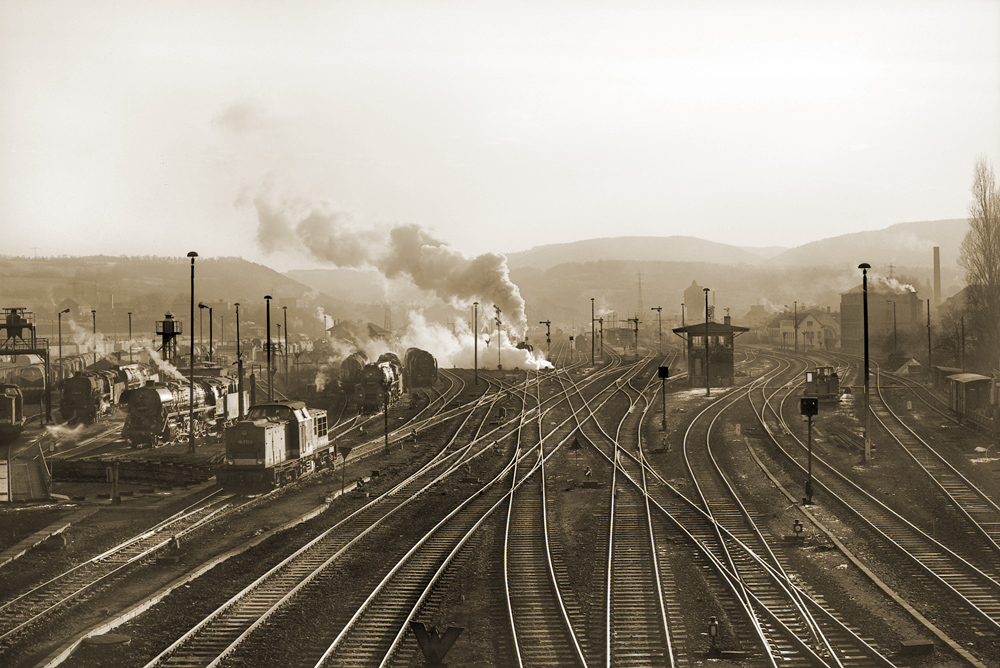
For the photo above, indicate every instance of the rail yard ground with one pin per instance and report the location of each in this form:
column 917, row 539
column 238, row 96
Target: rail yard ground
column 579, row 485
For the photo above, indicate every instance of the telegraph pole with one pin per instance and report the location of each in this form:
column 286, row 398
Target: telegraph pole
column 475, row 342
column 591, row 331
column 636, row 321
column 708, row 378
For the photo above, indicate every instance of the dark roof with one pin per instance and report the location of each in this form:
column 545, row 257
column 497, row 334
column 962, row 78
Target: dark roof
column 968, row 377
column 714, row 328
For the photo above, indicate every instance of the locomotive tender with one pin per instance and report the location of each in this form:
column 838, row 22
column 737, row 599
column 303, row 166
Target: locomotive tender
column 420, row 369
column 277, row 443
column 158, row 412
column 351, row 369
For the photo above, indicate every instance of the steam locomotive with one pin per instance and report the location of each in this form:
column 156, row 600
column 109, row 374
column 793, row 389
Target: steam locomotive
column 158, row 412
column 11, row 413
column 419, row 370
column 381, row 384
column 277, row 443
column 90, row 394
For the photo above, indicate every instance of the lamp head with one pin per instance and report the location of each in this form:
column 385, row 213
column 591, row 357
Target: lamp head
column 864, row 265
column 201, row 305
column 268, row 297
column 192, row 255
column 65, row 310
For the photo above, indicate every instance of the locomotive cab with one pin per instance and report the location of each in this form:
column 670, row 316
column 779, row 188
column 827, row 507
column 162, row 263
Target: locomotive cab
column 11, row 413
column 822, row 383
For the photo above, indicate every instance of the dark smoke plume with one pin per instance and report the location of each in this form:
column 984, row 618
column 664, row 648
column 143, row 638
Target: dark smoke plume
column 402, row 251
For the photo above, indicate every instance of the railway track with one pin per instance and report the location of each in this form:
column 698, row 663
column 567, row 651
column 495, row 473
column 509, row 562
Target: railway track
column 975, row 506
column 961, row 587
column 19, row 614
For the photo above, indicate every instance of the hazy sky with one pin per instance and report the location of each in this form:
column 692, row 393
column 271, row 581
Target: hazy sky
column 149, row 128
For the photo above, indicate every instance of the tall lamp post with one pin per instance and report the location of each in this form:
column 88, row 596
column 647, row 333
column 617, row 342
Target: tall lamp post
column 60, row 315
column 270, row 384
column 659, row 329
column 864, row 267
column 191, row 438
column 795, row 324
column 201, row 327
column 475, row 343
column 130, row 336
column 682, row 314
column 591, row 331
column 201, row 308
column 708, row 377
column 284, row 310
column 239, row 363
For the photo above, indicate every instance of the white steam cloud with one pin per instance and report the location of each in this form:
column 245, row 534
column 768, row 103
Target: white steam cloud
column 402, row 251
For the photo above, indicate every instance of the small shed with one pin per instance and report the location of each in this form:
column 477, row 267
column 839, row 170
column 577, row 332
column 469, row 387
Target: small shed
column 710, row 345
column 968, row 392
column 939, row 375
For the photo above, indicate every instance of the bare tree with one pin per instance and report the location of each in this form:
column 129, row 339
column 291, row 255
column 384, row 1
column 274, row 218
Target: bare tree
column 980, row 257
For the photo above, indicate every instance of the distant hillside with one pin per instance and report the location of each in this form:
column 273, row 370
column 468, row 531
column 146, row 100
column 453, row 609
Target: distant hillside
column 636, row 249
column 902, row 245
column 905, row 244
column 149, row 287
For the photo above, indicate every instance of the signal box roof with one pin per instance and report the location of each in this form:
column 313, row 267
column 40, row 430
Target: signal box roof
column 714, row 329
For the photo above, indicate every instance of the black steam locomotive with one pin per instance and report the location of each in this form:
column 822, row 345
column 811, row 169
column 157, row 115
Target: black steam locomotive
column 277, row 443
column 158, row 412
column 89, row 395
column 420, row 369
column 381, row 384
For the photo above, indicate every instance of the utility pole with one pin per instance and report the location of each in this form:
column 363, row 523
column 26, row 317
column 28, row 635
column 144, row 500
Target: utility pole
column 239, row 363
column 591, row 331
column 636, row 321
column 659, row 329
column 708, row 377
column 475, row 342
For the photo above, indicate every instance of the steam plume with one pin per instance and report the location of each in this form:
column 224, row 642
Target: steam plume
column 402, row 251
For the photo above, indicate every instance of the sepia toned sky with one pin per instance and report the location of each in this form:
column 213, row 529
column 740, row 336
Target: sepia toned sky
column 152, row 128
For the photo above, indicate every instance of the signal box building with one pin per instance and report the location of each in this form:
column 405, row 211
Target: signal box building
column 712, row 341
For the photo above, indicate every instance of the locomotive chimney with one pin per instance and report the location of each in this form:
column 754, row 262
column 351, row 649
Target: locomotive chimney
column 727, row 320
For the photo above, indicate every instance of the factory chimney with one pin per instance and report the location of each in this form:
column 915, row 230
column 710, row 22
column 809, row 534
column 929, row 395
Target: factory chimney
column 937, row 276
